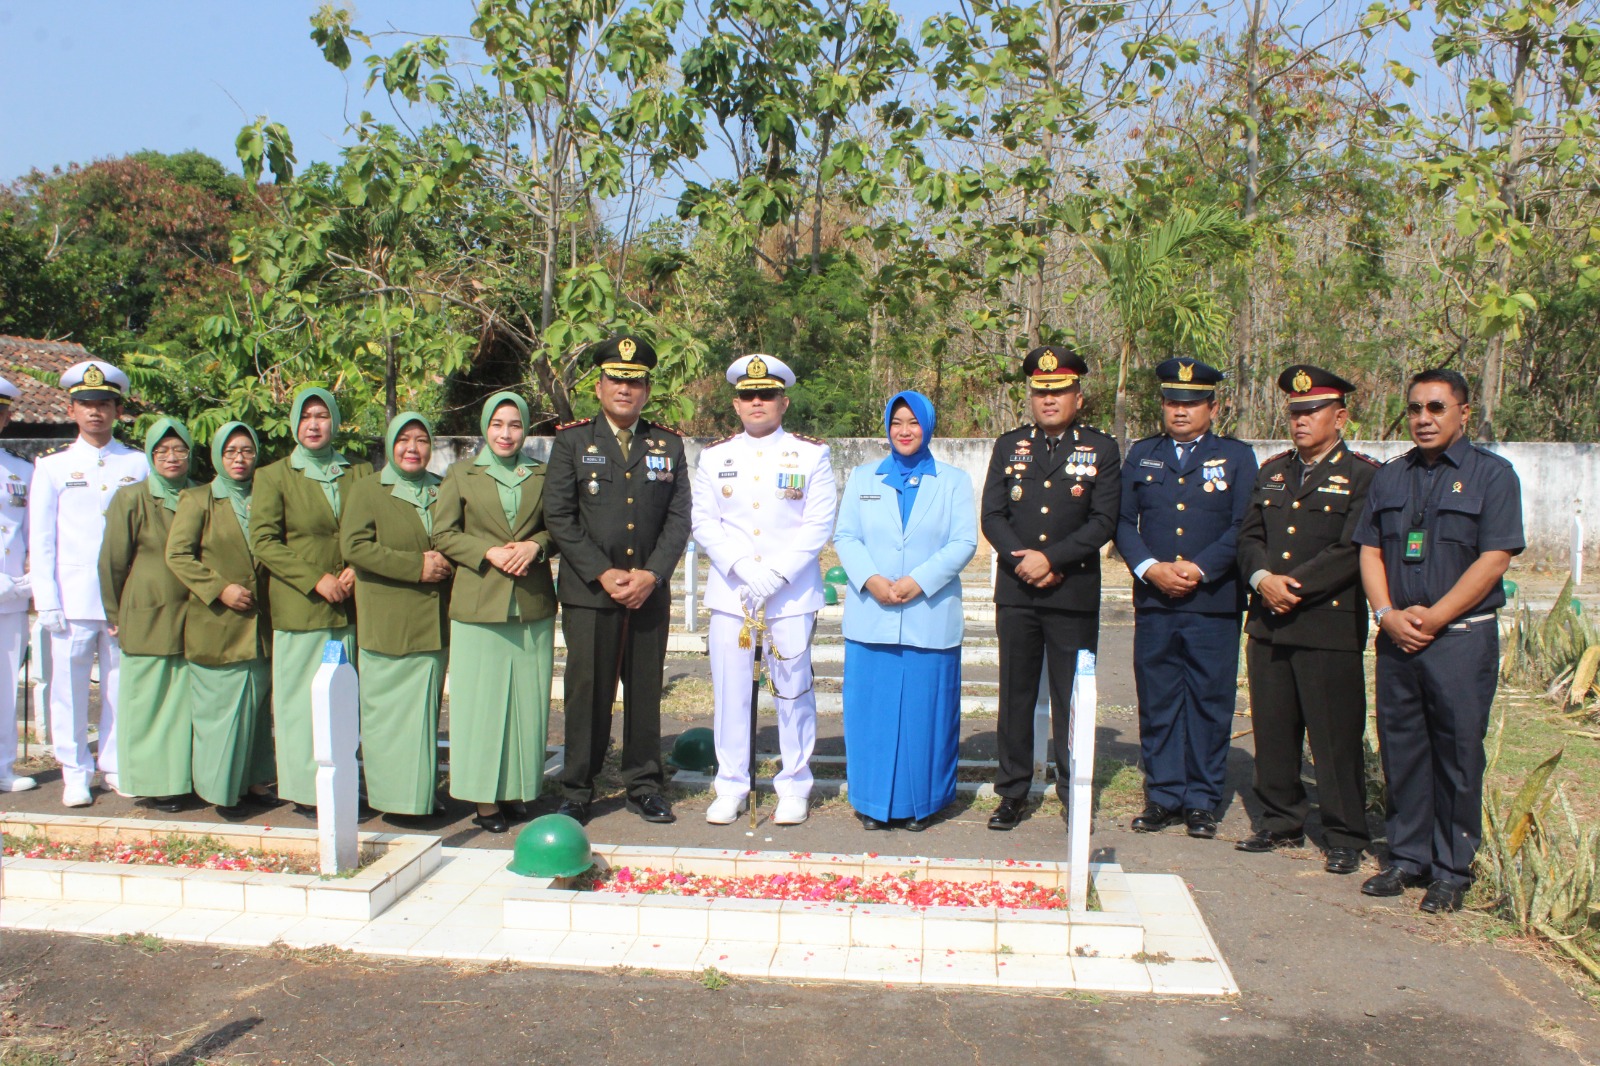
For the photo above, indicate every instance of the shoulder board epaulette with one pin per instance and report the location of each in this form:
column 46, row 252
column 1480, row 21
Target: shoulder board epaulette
column 14, row 455
column 1281, row 455
column 1363, row 456
column 1090, row 429
column 58, row 448
column 574, row 424
column 666, row 429
column 721, row 440
column 1153, row 436
column 808, row 440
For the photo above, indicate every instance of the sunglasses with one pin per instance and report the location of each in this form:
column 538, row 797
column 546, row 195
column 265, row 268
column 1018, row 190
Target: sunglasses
column 761, row 394
column 1433, row 407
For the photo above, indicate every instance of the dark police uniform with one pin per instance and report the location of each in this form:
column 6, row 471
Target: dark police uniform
column 1306, row 676
column 606, row 510
column 1186, row 650
column 1061, row 499
column 1433, row 706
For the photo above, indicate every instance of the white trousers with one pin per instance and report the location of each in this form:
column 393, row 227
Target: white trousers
column 13, row 638
column 797, row 703
column 72, row 654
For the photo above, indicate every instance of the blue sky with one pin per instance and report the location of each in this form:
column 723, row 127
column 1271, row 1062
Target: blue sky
column 89, row 79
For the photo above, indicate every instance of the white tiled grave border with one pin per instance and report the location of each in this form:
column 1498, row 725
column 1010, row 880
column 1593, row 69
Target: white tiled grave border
column 402, row 861
column 457, row 913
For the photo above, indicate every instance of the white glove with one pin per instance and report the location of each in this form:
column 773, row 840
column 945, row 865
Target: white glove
column 766, row 583
column 53, row 622
column 8, row 588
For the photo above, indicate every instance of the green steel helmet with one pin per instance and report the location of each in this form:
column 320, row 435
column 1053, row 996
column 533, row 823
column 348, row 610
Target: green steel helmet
column 836, row 576
column 552, row 845
column 695, row 750
column 830, row 595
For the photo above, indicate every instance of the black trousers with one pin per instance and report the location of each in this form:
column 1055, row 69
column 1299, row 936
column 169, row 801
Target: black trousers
column 1433, row 713
column 605, row 645
column 1029, row 637
column 1297, row 693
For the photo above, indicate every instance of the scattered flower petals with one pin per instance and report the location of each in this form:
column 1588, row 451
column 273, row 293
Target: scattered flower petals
column 895, row 889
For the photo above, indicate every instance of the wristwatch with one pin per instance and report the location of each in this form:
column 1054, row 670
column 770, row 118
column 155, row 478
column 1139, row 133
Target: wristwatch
column 1377, row 616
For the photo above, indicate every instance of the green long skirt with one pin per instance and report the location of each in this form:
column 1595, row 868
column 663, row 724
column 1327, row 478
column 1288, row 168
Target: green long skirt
column 499, row 709
column 153, row 725
column 295, row 659
column 400, row 729
column 232, row 729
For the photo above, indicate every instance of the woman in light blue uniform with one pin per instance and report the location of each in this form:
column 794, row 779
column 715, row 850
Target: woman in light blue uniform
column 907, row 527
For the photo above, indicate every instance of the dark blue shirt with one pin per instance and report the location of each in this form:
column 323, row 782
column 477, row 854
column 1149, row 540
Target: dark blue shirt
column 1468, row 502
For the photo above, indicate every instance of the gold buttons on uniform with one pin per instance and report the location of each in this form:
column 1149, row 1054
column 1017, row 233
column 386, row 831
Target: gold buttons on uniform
column 1180, row 531
column 1177, row 558
column 627, row 474
column 758, row 532
column 630, row 525
column 1044, row 510
column 1295, row 505
column 1291, row 529
column 1047, row 484
column 630, row 499
column 1327, row 508
column 1335, row 603
column 1180, row 506
column 756, row 504
column 1042, row 537
column 1286, row 555
column 630, row 551
column 1180, row 481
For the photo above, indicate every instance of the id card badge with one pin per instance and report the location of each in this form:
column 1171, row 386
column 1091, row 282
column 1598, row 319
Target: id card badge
column 1416, row 545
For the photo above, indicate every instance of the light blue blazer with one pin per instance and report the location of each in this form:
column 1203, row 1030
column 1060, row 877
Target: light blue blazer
column 938, row 540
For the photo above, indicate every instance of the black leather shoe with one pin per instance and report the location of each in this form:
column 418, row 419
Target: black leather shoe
column 1443, row 897
column 652, row 808
column 169, row 804
column 1267, row 840
column 918, row 825
column 236, row 813
column 1342, row 860
column 1009, row 814
column 261, row 800
column 1392, row 881
column 491, row 823
column 1154, row 818
column 871, row 824
column 515, row 810
column 575, row 810
column 1202, row 825
column 305, row 811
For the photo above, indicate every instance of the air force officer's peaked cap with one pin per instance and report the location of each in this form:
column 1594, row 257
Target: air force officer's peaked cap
column 94, row 380
column 751, row 373
column 1188, row 379
column 8, row 394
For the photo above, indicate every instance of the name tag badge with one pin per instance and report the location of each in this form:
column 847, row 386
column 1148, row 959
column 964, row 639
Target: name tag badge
column 594, row 458
column 1273, row 487
column 727, row 473
column 1025, row 457
column 873, row 497
column 1157, row 463
column 77, row 484
column 1416, row 545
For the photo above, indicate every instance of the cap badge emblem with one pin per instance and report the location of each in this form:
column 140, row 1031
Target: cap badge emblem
column 94, row 376
column 627, row 348
column 756, row 368
column 1048, row 362
column 1302, row 382
column 1185, row 371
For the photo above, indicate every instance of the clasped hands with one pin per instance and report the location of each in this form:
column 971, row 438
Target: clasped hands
column 1412, row 628
column 630, row 588
column 336, row 588
column 762, row 582
column 1034, row 569
column 514, row 557
column 892, row 593
column 1177, row 579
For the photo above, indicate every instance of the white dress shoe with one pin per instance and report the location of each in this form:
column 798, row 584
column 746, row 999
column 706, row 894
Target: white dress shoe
column 76, row 796
column 724, row 810
column 114, row 784
column 792, row 810
column 18, row 784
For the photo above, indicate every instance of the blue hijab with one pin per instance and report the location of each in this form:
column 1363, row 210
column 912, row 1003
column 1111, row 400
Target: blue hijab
column 905, row 472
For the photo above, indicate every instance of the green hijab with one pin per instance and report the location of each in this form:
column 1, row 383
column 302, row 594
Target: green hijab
column 419, row 489
column 223, row 486
column 166, row 489
column 325, row 465
column 509, row 472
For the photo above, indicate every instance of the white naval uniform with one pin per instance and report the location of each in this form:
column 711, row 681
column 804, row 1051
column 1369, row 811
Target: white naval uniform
column 742, row 511
column 71, row 491
column 16, row 474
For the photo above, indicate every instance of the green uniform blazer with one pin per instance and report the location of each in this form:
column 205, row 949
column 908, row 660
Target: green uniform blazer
column 207, row 550
column 383, row 539
column 143, row 598
column 468, row 521
column 296, row 537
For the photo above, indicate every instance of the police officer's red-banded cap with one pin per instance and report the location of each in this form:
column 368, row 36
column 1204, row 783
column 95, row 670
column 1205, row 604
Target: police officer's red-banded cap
column 1309, row 387
column 1053, row 367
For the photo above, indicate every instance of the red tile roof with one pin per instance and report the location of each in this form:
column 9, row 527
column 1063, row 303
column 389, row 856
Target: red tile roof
column 39, row 403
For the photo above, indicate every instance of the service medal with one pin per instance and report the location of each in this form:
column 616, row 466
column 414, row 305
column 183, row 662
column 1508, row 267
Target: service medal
column 1222, row 486
column 1016, row 492
column 1077, row 490
column 594, row 488
column 1211, row 486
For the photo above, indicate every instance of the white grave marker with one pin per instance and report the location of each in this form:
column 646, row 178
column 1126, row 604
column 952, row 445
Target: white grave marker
column 1080, row 808
column 335, row 733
